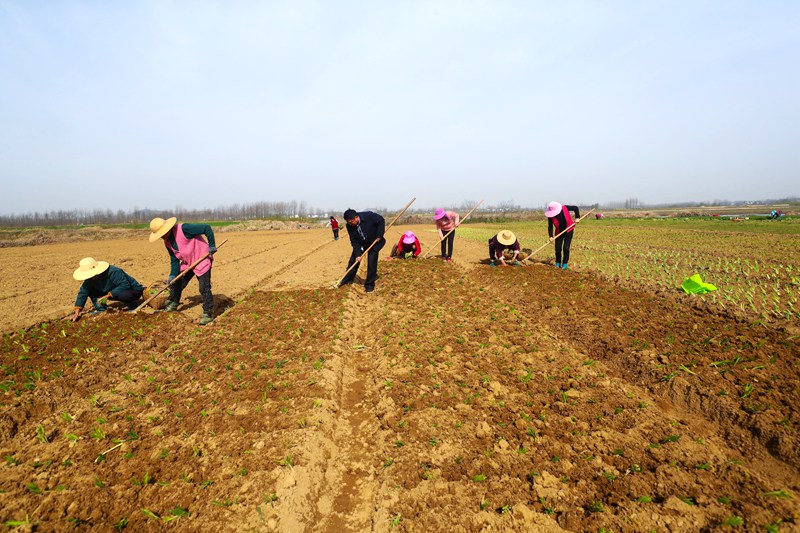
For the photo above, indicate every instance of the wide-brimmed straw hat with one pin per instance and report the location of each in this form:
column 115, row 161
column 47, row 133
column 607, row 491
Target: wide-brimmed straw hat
column 440, row 213
column 553, row 208
column 89, row 268
column 409, row 237
column 506, row 237
column 159, row 227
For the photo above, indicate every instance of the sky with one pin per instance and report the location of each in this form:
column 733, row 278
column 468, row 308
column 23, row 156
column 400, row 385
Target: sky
column 198, row 104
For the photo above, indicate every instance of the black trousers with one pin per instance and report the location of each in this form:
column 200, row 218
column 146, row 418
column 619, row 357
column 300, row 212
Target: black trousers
column 372, row 266
column 336, row 234
column 447, row 245
column 176, row 289
column 563, row 243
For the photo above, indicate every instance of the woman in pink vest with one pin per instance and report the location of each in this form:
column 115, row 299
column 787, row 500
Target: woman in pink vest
column 185, row 245
column 558, row 220
column 446, row 221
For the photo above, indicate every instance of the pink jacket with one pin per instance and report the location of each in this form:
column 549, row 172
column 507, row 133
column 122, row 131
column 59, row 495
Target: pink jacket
column 189, row 251
column 446, row 223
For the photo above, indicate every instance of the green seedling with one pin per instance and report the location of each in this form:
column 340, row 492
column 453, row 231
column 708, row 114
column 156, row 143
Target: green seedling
column 644, row 499
column 478, row 478
column 395, row 520
column 782, row 494
column 733, row 521
column 40, row 434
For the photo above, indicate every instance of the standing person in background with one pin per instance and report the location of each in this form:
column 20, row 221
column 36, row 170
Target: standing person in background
column 407, row 247
column 558, row 220
column 505, row 240
column 102, row 282
column 335, row 227
column 445, row 222
column 185, row 245
column 364, row 228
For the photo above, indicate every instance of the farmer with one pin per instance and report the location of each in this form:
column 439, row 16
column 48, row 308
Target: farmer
column 364, row 228
column 505, row 240
column 185, row 245
column 558, row 220
column 446, row 221
column 101, row 282
column 407, row 247
column 334, row 224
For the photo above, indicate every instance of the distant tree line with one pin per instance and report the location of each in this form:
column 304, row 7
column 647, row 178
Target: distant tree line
column 251, row 211
column 83, row 217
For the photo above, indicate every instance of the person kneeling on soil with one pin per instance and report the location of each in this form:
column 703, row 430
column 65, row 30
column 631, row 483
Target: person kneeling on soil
column 103, row 282
column 505, row 240
column 407, row 247
column 185, row 245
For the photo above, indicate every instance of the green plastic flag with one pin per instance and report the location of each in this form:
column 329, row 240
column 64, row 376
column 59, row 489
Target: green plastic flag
column 695, row 285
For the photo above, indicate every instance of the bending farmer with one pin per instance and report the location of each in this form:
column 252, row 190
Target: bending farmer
column 558, row 220
column 364, row 228
column 102, row 282
column 505, row 240
column 407, row 247
column 445, row 222
column 185, row 245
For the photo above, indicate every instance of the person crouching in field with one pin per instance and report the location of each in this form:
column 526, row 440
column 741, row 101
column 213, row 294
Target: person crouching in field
column 445, row 222
column 185, row 245
column 407, row 247
column 102, row 282
column 364, row 228
column 505, row 240
column 334, row 224
column 558, row 220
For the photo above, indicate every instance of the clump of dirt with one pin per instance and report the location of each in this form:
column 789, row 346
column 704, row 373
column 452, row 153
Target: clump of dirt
column 260, row 225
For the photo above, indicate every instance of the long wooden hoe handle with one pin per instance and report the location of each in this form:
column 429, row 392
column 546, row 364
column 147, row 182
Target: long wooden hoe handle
column 557, row 236
column 374, row 242
column 465, row 217
column 176, row 278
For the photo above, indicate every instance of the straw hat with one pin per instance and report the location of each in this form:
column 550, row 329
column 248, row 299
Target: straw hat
column 506, row 237
column 553, row 208
column 439, row 214
column 159, row 227
column 409, row 237
column 89, row 268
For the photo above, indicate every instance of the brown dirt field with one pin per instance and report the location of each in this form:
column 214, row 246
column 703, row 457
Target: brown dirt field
column 455, row 397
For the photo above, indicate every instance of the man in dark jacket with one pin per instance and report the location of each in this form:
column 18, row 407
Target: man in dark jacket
column 364, row 228
column 102, row 282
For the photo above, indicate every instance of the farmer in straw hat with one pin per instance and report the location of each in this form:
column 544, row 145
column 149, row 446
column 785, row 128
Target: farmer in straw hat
column 445, row 222
column 102, row 282
column 505, row 240
column 558, row 220
column 407, row 247
column 185, row 245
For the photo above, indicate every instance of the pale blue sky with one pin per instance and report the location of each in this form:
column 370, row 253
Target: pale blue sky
column 198, row 103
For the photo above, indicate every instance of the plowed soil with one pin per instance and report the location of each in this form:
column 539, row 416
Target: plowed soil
column 456, row 397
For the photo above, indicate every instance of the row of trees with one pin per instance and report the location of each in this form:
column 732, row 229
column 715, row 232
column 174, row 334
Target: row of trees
column 251, row 211
column 78, row 217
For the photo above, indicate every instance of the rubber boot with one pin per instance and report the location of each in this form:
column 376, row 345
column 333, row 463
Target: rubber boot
column 564, row 266
column 207, row 319
column 491, row 264
column 558, row 265
column 171, row 306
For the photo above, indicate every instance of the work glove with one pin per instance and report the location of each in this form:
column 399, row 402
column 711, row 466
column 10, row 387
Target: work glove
column 212, row 250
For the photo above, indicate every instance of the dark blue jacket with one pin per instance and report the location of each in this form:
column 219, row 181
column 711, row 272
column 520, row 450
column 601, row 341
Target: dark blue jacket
column 372, row 227
column 114, row 280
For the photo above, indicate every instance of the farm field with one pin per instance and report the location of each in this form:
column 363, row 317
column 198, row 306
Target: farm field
column 455, row 397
